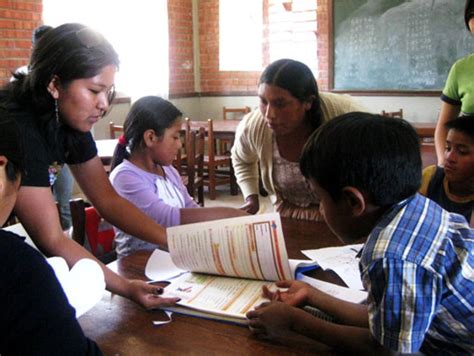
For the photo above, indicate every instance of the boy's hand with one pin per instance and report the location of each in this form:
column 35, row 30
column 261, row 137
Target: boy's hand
column 297, row 294
column 271, row 320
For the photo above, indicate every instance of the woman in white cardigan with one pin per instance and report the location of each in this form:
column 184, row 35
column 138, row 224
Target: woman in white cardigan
column 290, row 109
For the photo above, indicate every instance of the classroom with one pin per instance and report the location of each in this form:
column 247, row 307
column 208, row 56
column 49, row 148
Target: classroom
column 236, row 177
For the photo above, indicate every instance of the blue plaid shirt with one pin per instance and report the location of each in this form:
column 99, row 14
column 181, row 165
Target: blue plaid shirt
column 418, row 266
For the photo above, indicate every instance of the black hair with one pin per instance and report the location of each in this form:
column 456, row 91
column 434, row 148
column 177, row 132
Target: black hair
column 375, row 154
column 296, row 78
column 69, row 52
column 464, row 124
column 38, row 32
column 11, row 147
column 468, row 12
column 147, row 113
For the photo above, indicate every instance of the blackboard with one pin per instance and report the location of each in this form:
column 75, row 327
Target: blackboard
column 397, row 45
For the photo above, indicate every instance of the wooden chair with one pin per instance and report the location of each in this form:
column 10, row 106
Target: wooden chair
column 395, row 114
column 115, row 130
column 89, row 229
column 231, row 114
column 218, row 168
column 194, row 178
column 236, row 113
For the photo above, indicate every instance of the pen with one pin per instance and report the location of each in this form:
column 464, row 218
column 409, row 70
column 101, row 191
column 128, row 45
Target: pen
column 358, row 252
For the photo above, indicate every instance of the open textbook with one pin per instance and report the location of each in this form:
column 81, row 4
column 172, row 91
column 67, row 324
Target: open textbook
column 230, row 261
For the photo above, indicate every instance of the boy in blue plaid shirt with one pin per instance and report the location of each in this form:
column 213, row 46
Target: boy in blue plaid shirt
column 417, row 263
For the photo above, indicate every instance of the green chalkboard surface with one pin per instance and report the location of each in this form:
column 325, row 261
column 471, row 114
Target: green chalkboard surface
column 397, row 45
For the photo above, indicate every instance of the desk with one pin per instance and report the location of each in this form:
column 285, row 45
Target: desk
column 120, row 327
column 424, row 129
column 105, row 149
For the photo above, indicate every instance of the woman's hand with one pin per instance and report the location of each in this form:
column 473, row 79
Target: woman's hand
column 298, row 293
column 251, row 205
column 148, row 295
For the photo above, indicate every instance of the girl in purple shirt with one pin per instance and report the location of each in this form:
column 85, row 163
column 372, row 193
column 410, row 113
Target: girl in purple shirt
column 142, row 171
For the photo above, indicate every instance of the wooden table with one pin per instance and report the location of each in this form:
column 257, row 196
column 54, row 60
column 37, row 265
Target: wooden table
column 121, row 327
column 424, row 129
column 223, row 129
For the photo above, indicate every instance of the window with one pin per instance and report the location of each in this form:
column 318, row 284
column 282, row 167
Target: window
column 240, row 35
column 291, row 33
column 138, row 30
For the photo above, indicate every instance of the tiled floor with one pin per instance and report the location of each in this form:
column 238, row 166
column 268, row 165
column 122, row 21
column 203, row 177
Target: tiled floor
column 225, row 199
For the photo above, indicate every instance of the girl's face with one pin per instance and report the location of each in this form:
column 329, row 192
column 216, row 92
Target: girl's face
column 471, row 25
column 165, row 148
column 83, row 102
column 8, row 192
column 283, row 112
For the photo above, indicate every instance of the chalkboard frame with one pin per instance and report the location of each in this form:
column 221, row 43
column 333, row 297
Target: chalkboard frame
column 368, row 92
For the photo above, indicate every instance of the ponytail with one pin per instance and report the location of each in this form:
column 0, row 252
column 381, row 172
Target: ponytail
column 120, row 153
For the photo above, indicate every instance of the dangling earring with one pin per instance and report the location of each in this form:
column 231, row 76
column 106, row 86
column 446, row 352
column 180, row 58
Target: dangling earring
column 56, row 110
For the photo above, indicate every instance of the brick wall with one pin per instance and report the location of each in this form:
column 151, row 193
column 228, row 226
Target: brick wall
column 213, row 81
column 181, row 60
column 324, row 26
column 17, row 21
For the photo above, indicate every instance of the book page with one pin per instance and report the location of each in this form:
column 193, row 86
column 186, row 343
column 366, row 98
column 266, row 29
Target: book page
column 218, row 295
column 246, row 247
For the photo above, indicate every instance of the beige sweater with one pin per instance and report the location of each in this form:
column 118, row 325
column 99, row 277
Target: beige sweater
column 253, row 144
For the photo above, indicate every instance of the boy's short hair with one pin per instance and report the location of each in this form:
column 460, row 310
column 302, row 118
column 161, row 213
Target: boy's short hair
column 464, row 124
column 375, row 154
column 11, row 146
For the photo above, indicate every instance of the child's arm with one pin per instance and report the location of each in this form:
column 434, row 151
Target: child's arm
column 300, row 294
column 282, row 322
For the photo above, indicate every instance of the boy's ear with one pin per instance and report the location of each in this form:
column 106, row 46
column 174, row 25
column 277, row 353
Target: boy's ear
column 53, row 87
column 355, row 200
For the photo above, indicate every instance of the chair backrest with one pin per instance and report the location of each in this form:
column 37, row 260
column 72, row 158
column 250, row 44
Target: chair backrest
column 115, row 130
column 396, row 114
column 87, row 223
column 180, row 160
column 235, row 113
column 195, row 141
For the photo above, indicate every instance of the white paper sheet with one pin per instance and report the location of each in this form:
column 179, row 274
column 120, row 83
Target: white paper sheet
column 160, row 267
column 83, row 285
column 342, row 260
column 347, row 294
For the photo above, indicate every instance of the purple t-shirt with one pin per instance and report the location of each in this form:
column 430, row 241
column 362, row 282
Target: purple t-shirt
column 158, row 197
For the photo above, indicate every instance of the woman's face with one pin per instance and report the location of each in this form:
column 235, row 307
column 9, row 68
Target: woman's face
column 83, row 102
column 166, row 147
column 283, row 112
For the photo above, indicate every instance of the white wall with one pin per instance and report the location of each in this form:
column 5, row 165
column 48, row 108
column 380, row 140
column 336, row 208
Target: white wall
column 415, row 108
column 117, row 114
column 211, row 107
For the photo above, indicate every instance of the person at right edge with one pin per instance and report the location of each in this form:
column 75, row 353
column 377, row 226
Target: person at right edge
column 458, row 92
